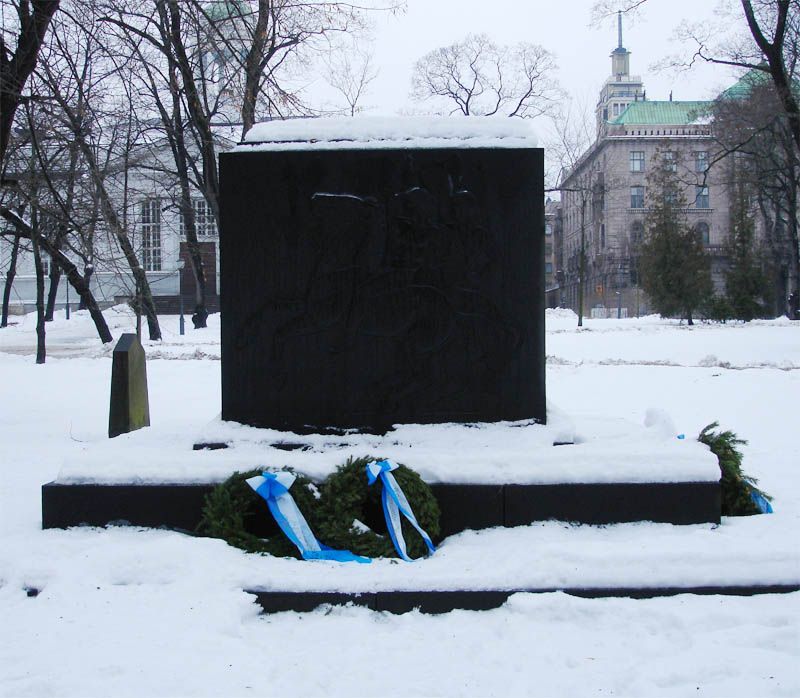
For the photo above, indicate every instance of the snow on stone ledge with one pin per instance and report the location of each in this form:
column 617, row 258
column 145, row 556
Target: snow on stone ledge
column 374, row 132
column 606, row 450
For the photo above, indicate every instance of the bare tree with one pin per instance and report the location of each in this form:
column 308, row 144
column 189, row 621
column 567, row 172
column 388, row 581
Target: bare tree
column 203, row 64
column 478, row 77
column 23, row 229
column 41, row 180
column 85, row 91
column 350, row 72
column 31, row 18
column 752, row 130
column 11, row 273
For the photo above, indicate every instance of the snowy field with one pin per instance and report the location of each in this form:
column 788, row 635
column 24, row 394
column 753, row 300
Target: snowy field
column 128, row 612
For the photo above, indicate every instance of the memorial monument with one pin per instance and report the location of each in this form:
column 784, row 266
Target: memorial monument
column 376, row 272
column 386, row 277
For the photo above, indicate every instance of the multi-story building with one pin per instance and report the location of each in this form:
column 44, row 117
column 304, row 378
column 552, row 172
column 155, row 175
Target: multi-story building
column 604, row 196
column 552, row 221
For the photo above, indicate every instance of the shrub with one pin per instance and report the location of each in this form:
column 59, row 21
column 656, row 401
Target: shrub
column 739, row 490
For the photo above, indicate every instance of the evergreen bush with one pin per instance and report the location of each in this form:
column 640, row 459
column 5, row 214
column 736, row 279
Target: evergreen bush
column 674, row 267
column 347, row 499
column 717, row 309
column 737, row 487
column 234, row 512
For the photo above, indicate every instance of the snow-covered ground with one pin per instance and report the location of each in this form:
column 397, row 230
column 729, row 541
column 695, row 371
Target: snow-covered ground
column 129, row 612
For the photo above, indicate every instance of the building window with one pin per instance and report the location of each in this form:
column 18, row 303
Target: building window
column 670, row 164
column 548, row 228
column 548, row 249
column 637, row 161
column 616, row 110
column 602, row 235
column 701, row 161
column 637, row 232
column 637, row 197
column 701, row 199
column 702, row 232
column 44, row 258
column 548, row 268
column 150, row 227
column 204, row 222
column 670, row 198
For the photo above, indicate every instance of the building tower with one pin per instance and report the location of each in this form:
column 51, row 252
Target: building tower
column 621, row 88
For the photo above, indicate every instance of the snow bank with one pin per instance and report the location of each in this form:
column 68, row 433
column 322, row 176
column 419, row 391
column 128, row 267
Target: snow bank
column 389, row 132
column 551, row 314
column 122, row 611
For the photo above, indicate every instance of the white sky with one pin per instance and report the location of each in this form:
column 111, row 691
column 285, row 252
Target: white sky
column 561, row 26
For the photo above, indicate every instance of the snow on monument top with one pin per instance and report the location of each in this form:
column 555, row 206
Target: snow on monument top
column 348, row 133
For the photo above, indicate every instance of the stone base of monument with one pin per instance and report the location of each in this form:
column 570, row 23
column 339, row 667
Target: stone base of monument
column 179, row 505
column 485, row 476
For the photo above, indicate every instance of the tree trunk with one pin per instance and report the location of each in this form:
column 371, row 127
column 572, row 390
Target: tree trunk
column 773, row 52
column 254, row 62
column 199, row 119
column 88, row 270
column 111, row 218
column 73, row 275
column 41, row 351
column 189, row 222
column 139, row 275
column 55, row 278
column 582, row 263
column 794, row 253
column 200, row 315
column 10, row 274
column 16, row 68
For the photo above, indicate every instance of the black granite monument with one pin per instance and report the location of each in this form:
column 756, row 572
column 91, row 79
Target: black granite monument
column 362, row 288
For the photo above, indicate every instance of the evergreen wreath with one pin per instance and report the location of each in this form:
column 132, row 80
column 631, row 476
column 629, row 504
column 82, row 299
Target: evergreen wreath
column 347, row 501
column 234, row 512
column 737, row 487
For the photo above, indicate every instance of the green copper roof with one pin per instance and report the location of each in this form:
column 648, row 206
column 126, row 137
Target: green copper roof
column 752, row 79
column 744, row 86
column 661, row 113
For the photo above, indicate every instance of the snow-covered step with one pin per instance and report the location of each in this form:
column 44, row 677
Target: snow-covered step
column 427, row 601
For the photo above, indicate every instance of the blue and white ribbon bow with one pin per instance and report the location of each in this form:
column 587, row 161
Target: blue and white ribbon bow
column 275, row 489
column 394, row 504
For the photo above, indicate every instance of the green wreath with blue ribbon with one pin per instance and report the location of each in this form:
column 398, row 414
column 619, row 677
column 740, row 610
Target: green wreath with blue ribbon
column 351, row 512
column 368, row 507
column 234, row 512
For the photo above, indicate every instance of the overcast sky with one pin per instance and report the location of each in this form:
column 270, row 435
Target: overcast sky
column 562, row 26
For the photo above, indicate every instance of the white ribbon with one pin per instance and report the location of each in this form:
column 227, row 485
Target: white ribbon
column 395, row 503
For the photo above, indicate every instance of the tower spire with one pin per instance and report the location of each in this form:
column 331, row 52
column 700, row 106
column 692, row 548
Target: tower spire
column 619, row 28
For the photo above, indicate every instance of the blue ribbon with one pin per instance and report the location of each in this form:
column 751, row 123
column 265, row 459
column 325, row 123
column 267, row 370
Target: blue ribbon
column 761, row 502
column 274, row 488
column 394, row 504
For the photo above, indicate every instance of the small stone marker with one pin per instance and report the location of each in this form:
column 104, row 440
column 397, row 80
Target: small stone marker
column 130, row 409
